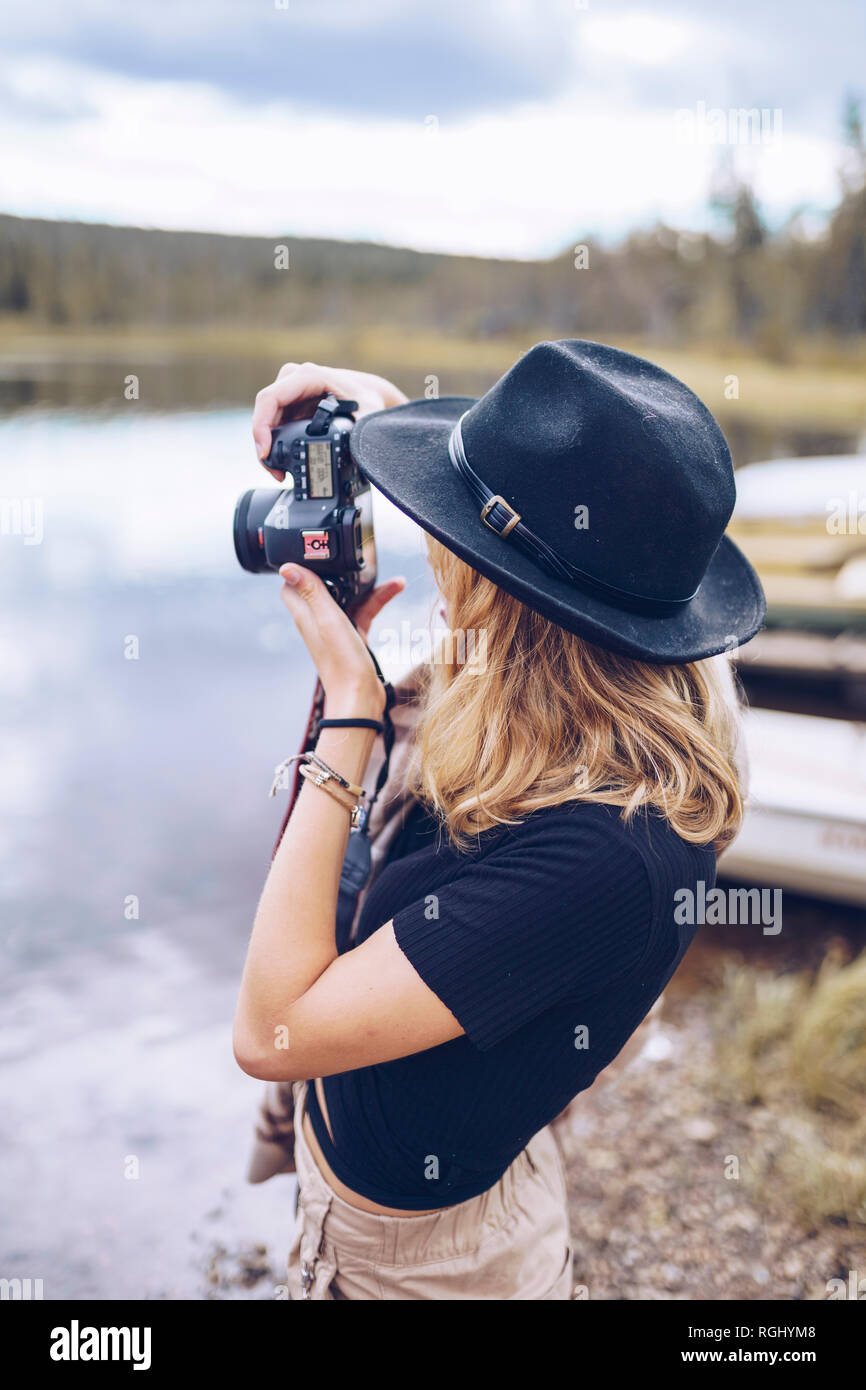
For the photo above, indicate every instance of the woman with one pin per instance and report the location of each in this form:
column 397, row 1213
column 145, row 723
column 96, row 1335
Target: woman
column 564, row 789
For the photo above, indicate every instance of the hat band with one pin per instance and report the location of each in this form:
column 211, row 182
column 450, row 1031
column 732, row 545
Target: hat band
column 501, row 517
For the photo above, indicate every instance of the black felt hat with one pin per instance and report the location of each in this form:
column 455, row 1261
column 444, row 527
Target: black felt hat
column 591, row 485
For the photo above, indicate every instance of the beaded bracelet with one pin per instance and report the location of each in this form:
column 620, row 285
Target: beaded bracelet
column 330, row 772
column 355, row 808
column 314, row 769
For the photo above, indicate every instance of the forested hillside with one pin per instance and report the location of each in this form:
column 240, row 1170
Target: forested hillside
column 742, row 284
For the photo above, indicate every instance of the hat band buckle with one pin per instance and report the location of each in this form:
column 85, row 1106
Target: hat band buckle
column 488, row 507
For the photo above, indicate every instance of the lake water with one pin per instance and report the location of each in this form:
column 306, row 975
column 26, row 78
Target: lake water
column 143, row 779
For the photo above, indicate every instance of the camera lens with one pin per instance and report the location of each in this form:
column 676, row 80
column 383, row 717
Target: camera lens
column 250, row 514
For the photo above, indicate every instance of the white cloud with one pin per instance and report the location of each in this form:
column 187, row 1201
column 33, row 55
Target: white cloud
column 648, row 40
column 524, row 182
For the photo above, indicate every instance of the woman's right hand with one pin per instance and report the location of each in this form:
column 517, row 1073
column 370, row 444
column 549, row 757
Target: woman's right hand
column 297, row 390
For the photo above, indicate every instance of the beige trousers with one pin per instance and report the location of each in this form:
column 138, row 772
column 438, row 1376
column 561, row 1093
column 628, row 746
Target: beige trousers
column 510, row 1242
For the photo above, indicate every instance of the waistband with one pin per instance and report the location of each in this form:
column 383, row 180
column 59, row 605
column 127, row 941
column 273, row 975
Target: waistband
column 405, row 1240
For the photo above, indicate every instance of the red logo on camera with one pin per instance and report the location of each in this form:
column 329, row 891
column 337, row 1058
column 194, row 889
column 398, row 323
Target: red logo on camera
column 316, row 545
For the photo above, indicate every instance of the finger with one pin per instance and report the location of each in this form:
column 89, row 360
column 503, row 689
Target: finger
column 297, row 386
column 291, row 389
column 324, row 628
column 376, row 601
column 301, row 383
column 311, row 595
column 305, row 621
column 270, row 403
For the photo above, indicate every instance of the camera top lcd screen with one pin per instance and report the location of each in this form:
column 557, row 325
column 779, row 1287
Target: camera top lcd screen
column 319, row 469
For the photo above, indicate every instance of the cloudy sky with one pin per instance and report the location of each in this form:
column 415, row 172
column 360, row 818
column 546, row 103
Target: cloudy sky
column 496, row 127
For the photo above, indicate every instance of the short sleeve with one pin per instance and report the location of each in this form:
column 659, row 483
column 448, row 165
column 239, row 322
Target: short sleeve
column 559, row 908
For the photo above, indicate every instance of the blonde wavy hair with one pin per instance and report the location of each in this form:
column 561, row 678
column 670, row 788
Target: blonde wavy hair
column 549, row 718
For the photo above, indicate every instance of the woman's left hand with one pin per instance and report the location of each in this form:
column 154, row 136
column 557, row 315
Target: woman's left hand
column 345, row 669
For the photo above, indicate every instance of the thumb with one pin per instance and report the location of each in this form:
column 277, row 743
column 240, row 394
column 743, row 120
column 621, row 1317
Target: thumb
column 307, row 586
column 376, row 601
column 262, row 440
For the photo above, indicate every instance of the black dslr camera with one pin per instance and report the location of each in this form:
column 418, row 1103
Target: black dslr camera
column 323, row 519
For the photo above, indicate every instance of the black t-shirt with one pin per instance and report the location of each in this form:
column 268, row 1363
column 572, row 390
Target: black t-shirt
column 549, row 944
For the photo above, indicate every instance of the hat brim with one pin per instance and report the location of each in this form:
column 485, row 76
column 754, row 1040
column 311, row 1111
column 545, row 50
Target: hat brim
column 404, row 453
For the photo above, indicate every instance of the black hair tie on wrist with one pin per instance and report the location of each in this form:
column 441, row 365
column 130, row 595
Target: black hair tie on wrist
column 357, row 861
column 351, row 724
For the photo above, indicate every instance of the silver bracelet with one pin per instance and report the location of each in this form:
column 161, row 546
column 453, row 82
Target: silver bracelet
column 314, row 769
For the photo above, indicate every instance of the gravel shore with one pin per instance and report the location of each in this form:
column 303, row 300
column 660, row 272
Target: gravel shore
column 655, row 1211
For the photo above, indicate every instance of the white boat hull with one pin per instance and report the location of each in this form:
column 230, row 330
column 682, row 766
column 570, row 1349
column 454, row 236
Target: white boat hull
column 805, row 826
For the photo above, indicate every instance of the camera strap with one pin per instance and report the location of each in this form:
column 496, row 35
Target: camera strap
column 328, row 407
column 357, row 861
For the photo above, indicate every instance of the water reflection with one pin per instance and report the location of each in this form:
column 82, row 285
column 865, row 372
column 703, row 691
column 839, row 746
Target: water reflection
column 193, row 383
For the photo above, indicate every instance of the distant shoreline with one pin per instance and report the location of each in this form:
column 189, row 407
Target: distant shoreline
column 822, row 385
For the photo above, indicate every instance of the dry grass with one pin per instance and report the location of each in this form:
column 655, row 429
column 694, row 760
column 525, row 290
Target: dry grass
column 796, row 1046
